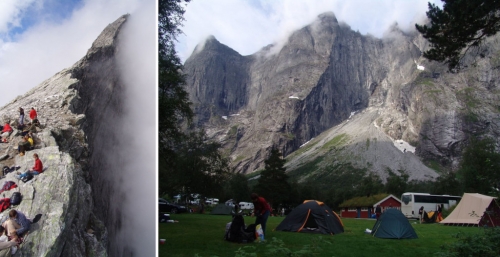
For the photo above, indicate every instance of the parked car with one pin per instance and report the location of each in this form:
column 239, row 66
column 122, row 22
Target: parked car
column 166, row 206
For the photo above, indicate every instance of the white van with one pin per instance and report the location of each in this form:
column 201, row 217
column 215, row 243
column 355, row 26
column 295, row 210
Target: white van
column 246, row 206
column 212, row 201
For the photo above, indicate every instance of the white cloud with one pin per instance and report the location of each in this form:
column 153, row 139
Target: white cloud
column 10, row 13
column 248, row 25
column 137, row 61
column 48, row 47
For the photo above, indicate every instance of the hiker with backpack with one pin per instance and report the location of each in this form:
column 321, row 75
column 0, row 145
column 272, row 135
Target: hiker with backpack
column 261, row 210
column 37, row 168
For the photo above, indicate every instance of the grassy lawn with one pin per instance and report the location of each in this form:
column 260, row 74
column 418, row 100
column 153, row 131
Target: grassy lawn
column 203, row 234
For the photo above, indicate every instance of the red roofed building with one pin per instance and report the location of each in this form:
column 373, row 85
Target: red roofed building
column 364, row 207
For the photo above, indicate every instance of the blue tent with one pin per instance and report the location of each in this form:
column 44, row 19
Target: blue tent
column 393, row 224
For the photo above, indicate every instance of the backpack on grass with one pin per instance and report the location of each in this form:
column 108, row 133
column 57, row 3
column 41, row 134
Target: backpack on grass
column 238, row 233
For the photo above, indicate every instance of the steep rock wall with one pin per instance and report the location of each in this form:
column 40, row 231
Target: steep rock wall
column 326, row 72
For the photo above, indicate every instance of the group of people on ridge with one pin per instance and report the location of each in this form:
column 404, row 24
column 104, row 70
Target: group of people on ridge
column 26, row 129
column 27, row 142
column 17, row 225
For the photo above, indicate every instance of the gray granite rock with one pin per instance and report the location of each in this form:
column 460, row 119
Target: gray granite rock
column 325, row 72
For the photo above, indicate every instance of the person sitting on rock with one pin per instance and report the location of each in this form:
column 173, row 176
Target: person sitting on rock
column 17, row 225
column 30, row 140
column 37, row 169
column 30, row 129
column 6, row 245
column 24, row 146
column 33, row 114
column 7, row 129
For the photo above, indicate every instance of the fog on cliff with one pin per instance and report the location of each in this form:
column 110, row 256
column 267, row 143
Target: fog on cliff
column 247, row 26
column 34, row 54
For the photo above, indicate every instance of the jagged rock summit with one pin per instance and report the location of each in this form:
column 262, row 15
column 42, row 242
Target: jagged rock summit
column 327, row 78
column 70, row 107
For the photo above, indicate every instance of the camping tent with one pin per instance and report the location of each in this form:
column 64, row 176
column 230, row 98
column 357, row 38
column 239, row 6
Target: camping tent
column 222, row 209
column 475, row 210
column 393, row 224
column 431, row 217
column 312, row 216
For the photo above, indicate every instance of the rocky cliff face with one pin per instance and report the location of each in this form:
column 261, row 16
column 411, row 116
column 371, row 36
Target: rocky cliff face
column 77, row 108
column 323, row 75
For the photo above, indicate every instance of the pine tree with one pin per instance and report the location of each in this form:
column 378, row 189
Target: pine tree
column 460, row 26
column 188, row 161
column 480, row 167
column 273, row 181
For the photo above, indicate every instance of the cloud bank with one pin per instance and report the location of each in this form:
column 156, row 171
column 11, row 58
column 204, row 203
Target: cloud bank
column 47, row 46
column 248, row 25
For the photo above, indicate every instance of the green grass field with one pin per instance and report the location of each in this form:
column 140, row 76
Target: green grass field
column 202, row 235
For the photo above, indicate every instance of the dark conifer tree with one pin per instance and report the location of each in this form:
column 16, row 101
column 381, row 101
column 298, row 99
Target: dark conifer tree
column 460, row 26
column 273, row 181
column 188, row 161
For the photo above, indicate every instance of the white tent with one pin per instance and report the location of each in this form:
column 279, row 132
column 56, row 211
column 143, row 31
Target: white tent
column 475, row 210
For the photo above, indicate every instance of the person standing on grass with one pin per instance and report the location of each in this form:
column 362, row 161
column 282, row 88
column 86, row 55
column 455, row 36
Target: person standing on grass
column 439, row 211
column 421, row 214
column 261, row 210
column 378, row 211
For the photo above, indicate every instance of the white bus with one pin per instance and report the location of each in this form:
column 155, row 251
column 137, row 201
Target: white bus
column 411, row 202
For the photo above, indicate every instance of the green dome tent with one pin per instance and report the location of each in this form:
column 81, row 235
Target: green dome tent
column 222, row 209
column 393, row 224
column 312, row 216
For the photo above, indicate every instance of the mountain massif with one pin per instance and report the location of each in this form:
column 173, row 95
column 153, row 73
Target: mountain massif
column 78, row 108
column 332, row 96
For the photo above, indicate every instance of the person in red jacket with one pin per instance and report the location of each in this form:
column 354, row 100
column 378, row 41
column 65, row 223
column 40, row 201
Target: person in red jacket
column 37, row 169
column 7, row 129
column 261, row 210
column 33, row 114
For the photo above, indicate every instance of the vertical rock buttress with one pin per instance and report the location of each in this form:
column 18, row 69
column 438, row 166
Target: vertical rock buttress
column 100, row 99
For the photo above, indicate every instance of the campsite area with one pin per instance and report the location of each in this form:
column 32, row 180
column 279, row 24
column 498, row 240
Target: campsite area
column 202, row 235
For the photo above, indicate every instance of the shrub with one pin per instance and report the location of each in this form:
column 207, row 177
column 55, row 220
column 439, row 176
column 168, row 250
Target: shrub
column 484, row 244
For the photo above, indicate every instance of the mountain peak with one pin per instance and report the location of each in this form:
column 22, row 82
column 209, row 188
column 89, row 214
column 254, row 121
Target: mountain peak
column 328, row 16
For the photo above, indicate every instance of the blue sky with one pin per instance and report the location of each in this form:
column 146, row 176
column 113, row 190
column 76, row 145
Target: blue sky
column 55, row 11
column 248, row 25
